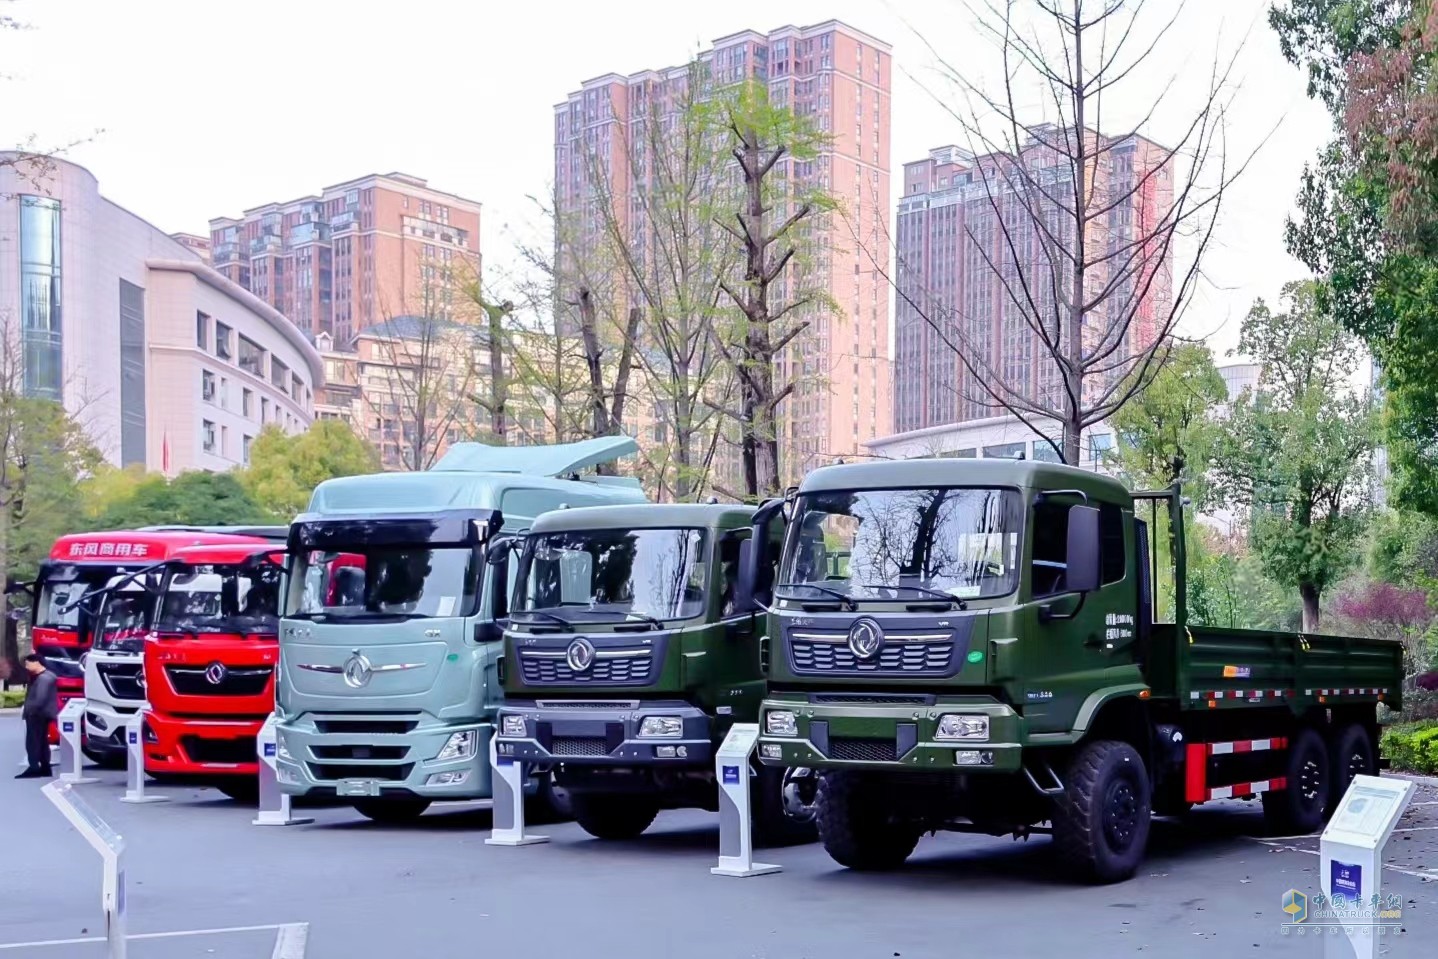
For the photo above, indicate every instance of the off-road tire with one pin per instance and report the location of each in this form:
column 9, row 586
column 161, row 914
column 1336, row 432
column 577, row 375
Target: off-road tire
column 1351, row 747
column 773, row 825
column 855, row 826
column 1101, row 820
column 391, row 810
column 1298, row 809
column 613, row 816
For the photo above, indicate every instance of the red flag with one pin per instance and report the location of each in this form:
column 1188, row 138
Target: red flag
column 165, row 454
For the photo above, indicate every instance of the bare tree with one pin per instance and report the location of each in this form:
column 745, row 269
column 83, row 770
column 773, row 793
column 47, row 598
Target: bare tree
column 1079, row 230
column 772, row 252
column 674, row 255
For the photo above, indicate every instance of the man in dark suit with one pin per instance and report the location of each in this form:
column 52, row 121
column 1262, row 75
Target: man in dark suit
column 42, row 707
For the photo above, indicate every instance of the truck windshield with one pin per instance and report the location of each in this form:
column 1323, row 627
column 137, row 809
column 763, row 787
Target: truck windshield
column 656, row 573
column 232, row 600
column 902, row 543
column 126, row 619
column 56, row 607
column 414, row 582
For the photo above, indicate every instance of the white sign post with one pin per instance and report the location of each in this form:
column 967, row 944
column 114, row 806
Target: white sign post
column 111, row 847
column 72, row 719
column 135, row 760
column 274, row 803
column 1351, row 870
column 507, row 786
column 736, row 823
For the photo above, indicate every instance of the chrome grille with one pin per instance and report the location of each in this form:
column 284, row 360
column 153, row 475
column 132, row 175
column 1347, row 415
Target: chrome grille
column 548, row 668
column 862, row 750
column 578, row 746
column 824, row 653
column 122, row 679
column 237, row 681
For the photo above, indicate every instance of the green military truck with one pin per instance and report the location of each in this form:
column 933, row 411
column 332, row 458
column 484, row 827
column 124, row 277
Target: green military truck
column 628, row 657
column 993, row 646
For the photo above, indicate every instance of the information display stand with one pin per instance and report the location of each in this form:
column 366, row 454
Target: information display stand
column 736, row 823
column 507, row 784
column 274, row 803
column 135, row 761
column 71, row 720
column 1351, row 870
column 111, row 847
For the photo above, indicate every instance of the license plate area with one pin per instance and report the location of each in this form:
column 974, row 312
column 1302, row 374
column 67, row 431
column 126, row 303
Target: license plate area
column 357, row 787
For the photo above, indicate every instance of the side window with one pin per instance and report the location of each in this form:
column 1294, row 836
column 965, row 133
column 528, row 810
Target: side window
column 1050, row 554
column 728, row 572
column 1111, row 543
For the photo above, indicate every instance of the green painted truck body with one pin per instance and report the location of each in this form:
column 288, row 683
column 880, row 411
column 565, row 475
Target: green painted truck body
column 925, row 621
column 390, row 643
column 626, row 657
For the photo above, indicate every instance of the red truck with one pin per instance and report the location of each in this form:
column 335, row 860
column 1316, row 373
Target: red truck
column 210, row 663
column 81, row 564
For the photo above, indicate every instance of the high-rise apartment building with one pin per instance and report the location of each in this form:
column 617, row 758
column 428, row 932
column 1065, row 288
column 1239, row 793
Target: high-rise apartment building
column 359, row 252
column 964, row 270
column 840, row 78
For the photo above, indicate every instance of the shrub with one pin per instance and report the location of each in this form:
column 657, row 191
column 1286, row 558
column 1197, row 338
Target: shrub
column 1413, row 746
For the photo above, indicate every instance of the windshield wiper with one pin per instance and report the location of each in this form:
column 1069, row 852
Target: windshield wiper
column 551, row 617
column 845, row 600
column 937, row 594
column 645, row 618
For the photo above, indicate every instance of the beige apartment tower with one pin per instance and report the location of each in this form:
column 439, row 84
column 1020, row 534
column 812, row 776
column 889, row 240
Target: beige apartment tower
column 841, row 78
column 359, row 252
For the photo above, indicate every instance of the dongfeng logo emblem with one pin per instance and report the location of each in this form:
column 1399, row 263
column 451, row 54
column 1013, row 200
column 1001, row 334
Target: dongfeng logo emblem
column 865, row 638
column 580, row 655
column 357, row 670
column 215, row 673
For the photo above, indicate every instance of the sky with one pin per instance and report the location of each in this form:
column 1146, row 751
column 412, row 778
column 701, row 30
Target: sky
column 191, row 109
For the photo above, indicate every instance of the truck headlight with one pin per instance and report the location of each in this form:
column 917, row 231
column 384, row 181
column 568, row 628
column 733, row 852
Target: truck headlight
column 958, row 726
column 282, row 750
column 661, row 727
column 459, row 746
column 511, row 726
column 781, row 722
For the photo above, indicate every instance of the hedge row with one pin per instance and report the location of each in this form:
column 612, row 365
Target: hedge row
column 1412, row 746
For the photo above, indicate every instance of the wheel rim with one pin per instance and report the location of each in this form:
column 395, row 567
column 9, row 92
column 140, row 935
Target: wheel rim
column 1357, row 765
column 798, row 792
column 1120, row 814
column 1310, row 781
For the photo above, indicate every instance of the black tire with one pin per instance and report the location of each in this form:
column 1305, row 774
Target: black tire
column 1353, row 755
column 784, row 803
column 1299, row 808
column 613, row 816
column 855, row 827
column 1101, row 821
column 243, row 790
column 391, row 810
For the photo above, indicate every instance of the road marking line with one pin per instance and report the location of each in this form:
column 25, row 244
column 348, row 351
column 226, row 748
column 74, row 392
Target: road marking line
column 143, row 935
column 1424, row 874
column 290, row 941
column 1415, row 828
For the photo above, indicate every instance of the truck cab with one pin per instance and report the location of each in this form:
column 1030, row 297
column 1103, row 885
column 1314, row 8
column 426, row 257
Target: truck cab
column 391, row 635
column 628, row 656
column 209, row 664
column 994, row 646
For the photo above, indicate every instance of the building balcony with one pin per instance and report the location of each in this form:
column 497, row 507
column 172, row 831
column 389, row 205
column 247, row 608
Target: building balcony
column 306, row 233
column 264, row 245
column 341, row 222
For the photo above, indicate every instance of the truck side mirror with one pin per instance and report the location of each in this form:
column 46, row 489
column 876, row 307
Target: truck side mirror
column 499, row 548
column 1083, row 559
column 747, row 577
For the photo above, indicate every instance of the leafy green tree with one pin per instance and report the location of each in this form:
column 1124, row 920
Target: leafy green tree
column 1297, row 450
column 1169, row 427
column 284, row 470
column 191, row 499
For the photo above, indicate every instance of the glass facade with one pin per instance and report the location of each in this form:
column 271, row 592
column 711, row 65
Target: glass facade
column 41, row 329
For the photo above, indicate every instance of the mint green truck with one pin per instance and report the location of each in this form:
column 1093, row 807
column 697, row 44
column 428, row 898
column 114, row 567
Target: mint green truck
column 628, row 656
column 391, row 635
column 994, row 646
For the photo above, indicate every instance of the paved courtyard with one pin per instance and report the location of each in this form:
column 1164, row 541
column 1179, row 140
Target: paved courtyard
column 344, row 887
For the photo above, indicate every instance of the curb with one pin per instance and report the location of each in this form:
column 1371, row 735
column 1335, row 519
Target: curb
column 1419, row 778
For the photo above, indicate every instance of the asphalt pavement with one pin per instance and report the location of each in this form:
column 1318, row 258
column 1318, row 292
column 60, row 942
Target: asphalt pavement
column 1213, row 885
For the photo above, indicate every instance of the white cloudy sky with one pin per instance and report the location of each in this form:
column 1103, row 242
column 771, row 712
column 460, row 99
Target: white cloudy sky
column 207, row 107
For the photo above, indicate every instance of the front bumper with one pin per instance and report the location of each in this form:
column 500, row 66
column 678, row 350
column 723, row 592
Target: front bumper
column 104, row 728
column 200, row 747
column 362, row 764
column 581, row 733
column 865, row 733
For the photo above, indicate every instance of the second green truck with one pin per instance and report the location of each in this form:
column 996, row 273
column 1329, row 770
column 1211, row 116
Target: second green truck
column 628, row 656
